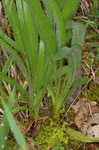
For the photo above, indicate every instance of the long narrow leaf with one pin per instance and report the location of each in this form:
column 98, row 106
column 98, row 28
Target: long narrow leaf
column 78, row 34
column 15, row 57
column 9, row 41
column 4, row 129
column 41, row 66
column 7, row 65
column 61, row 3
column 70, row 9
column 32, row 37
column 12, row 82
column 11, row 13
column 80, row 137
column 46, row 35
column 60, row 26
column 63, row 52
column 17, row 133
column 49, row 11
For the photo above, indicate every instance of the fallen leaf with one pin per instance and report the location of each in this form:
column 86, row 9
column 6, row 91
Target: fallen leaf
column 83, row 110
column 91, row 126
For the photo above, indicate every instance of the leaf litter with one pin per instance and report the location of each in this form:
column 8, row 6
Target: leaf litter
column 87, row 117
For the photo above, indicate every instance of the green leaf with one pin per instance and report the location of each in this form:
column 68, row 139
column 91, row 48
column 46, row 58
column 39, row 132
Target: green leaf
column 62, row 71
column 32, row 35
column 10, row 42
column 97, row 57
column 80, row 137
column 41, row 66
column 78, row 34
column 61, row 3
column 16, row 57
column 12, row 82
column 2, row 91
column 41, row 22
column 4, row 128
column 52, row 94
column 17, row 133
column 93, row 44
column 96, row 4
column 60, row 26
column 48, row 12
column 80, row 81
column 11, row 13
column 93, row 35
column 70, row 9
column 7, row 65
column 28, row 32
column 63, row 52
column 91, row 54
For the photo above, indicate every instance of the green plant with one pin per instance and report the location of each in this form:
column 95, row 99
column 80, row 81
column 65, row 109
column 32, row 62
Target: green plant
column 93, row 22
column 79, row 136
column 9, row 122
column 96, row 4
column 36, row 46
column 4, row 128
column 63, row 85
column 52, row 135
column 58, row 145
column 34, row 62
column 38, row 49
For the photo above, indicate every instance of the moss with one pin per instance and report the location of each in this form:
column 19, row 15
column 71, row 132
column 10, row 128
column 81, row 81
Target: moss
column 11, row 145
column 92, row 91
column 51, row 132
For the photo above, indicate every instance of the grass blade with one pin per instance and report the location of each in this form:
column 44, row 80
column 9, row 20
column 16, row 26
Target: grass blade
column 7, row 65
column 70, row 9
column 4, row 129
column 60, row 26
column 61, row 3
column 46, row 35
column 80, row 137
column 12, row 82
column 11, row 13
column 12, row 124
column 63, row 52
column 32, row 36
column 96, row 4
column 78, row 34
column 10, row 42
column 15, row 57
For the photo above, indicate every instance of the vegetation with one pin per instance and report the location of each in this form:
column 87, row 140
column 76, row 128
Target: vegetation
column 37, row 49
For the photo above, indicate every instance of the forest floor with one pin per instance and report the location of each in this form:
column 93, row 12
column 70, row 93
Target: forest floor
column 82, row 113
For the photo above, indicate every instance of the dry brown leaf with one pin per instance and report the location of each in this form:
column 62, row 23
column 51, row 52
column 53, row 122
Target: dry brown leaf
column 91, row 127
column 83, row 109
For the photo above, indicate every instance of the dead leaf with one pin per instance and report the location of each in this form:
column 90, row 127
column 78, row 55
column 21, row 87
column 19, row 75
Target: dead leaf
column 83, row 109
column 91, row 127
